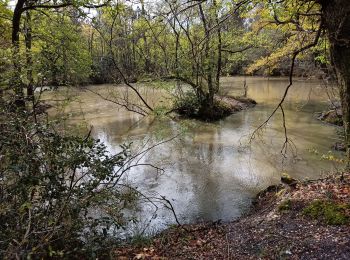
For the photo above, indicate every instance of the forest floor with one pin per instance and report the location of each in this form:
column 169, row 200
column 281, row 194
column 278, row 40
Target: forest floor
column 305, row 220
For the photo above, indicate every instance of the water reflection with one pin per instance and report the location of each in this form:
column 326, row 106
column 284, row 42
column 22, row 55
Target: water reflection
column 210, row 172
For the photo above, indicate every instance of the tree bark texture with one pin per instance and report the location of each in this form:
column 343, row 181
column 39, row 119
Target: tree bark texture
column 336, row 20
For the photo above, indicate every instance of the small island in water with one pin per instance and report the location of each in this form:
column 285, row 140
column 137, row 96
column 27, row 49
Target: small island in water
column 174, row 129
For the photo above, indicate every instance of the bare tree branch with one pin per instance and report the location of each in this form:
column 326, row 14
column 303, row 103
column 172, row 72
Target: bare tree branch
column 126, row 106
column 279, row 105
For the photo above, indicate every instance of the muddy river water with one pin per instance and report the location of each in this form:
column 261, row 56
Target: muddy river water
column 210, row 170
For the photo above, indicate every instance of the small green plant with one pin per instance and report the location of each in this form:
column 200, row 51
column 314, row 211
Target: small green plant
column 285, row 205
column 330, row 212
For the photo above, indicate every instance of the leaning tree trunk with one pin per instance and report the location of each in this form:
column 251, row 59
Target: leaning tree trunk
column 336, row 19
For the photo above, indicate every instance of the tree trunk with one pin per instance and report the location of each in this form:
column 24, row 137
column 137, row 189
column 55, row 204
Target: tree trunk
column 16, row 82
column 208, row 102
column 147, row 66
column 29, row 60
column 336, row 19
column 219, row 48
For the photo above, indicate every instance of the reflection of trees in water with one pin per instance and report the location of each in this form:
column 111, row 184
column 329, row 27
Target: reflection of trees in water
column 206, row 183
column 264, row 90
column 206, row 174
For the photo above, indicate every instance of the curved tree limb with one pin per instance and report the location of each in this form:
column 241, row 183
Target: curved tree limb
column 279, row 105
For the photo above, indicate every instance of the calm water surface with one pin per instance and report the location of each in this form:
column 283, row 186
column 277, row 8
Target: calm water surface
column 210, row 171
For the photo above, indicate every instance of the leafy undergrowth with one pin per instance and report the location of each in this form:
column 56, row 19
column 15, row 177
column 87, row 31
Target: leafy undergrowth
column 309, row 221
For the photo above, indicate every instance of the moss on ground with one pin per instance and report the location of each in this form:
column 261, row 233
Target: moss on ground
column 331, row 212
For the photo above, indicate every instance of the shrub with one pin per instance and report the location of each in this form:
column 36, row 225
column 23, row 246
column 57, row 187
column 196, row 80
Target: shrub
column 50, row 187
column 189, row 105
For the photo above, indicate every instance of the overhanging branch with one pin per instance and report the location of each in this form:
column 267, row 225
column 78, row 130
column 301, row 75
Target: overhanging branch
column 279, row 105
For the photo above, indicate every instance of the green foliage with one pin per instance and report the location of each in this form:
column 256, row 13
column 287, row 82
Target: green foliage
column 287, row 27
column 188, row 104
column 5, row 42
column 330, row 212
column 285, row 205
column 160, row 110
column 5, row 23
column 50, row 187
column 5, row 64
column 62, row 50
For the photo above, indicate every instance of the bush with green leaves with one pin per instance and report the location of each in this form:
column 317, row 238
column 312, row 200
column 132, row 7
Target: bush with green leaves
column 189, row 105
column 51, row 187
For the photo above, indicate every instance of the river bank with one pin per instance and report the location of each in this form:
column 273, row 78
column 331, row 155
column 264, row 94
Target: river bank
column 308, row 220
